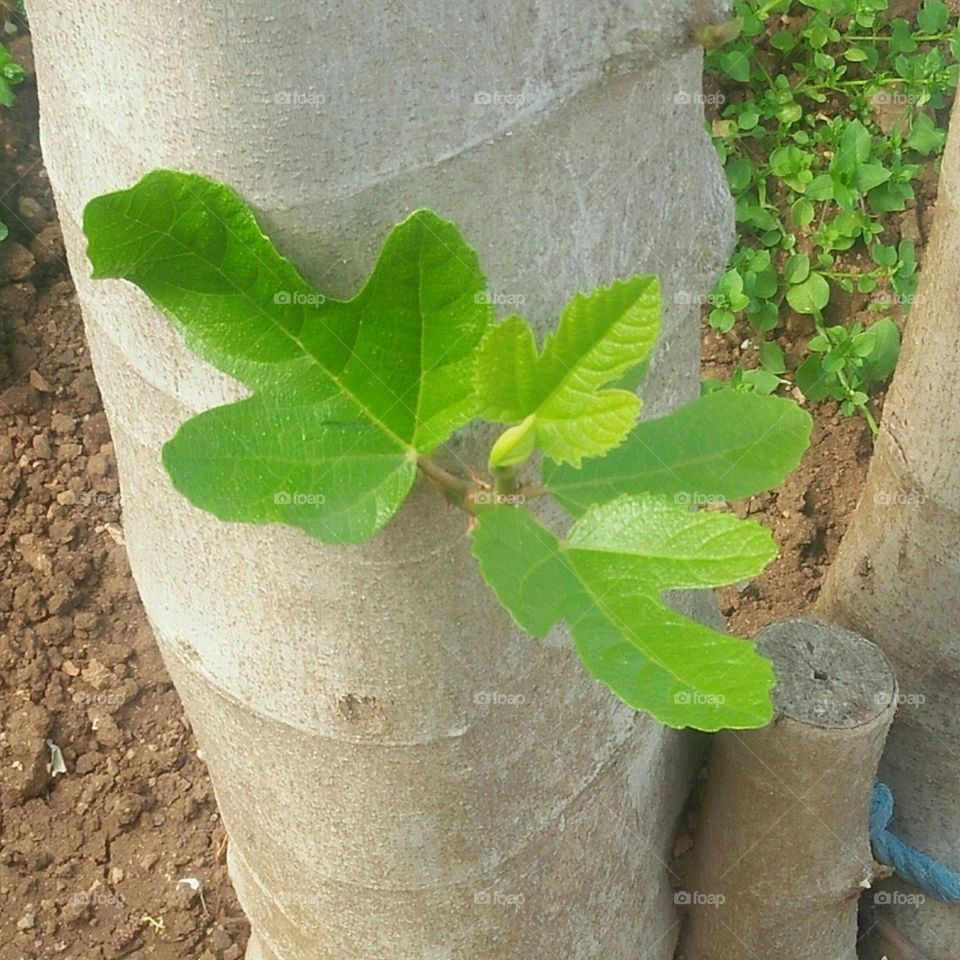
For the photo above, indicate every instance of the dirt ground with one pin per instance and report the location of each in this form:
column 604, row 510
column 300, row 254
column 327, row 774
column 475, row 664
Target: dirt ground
column 93, row 862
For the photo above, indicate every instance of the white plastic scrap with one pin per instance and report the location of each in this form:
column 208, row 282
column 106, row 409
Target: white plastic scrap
column 194, row 884
column 56, row 764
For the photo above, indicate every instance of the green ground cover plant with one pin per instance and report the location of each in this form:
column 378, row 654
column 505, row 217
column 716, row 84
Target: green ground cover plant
column 834, row 107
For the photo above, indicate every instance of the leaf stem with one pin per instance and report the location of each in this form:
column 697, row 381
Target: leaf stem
column 871, row 420
column 505, row 480
column 473, row 496
column 453, row 489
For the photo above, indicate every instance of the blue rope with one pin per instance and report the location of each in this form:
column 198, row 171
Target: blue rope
column 917, row 868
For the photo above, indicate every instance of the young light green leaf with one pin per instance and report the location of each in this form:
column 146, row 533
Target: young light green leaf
column 346, row 394
column 723, row 446
column 605, row 582
column 516, row 445
column 600, row 337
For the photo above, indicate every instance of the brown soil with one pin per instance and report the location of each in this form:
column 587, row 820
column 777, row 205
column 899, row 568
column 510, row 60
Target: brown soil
column 808, row 514
column 90, row 859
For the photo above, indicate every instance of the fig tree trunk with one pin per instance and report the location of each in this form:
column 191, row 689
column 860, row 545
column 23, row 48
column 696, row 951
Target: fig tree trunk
column 897, row 576
column 402, row 773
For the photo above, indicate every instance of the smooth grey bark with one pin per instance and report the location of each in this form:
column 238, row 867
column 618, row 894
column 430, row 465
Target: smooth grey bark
column 781, row 853
column 402, row 773
column 896, row 578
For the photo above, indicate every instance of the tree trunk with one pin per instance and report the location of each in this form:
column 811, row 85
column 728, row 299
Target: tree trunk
column 781, row 853
column 897, row 576
column 401, row 772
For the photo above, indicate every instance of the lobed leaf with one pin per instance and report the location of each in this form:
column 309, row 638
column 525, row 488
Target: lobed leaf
column 346, row 394
column 560, row 391
column 605, row 582
column 723, row 446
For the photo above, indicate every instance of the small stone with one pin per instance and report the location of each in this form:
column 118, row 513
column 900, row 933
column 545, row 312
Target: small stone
column 41, row 446
column 33, row 553
column 97, row 675
column 39, row 382
column 95, row 431
column 61, row 423
column 16, row 262
column 108, row 733
column 66, row 498
column 87, row 763
column 26, row 922
column 220, row 940
column 149, row 861
column 75, row 911
column 97, row 466
column 62, row 531
column 70, row 668
column 47, row 246
column 24, row 773
column 6, row 449
column 32, row 213
column 115, row 532
column 69, row 451
column 55, row 629
column 85, row 620
column 114, row 876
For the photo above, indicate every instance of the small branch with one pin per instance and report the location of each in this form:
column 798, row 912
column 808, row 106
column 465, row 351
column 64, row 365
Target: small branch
column 474, row 495
column 533, row 491
column 461, row 493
